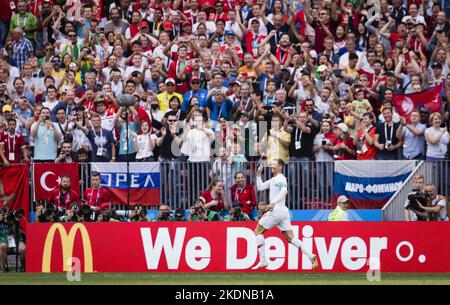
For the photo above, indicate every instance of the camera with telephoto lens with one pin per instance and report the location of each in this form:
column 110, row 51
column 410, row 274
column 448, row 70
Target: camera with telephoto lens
column 417, row 196
column 52, row 210
column 179, row 215
column 14, row 216
column 237, row 211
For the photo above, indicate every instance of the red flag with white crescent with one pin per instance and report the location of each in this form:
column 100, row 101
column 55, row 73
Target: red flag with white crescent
column 47, row 177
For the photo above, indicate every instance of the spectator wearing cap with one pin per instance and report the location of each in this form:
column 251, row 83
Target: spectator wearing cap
column 164, row 97
column 200, row 94
column 437, row 76
column 340, row 213
column 231, row 47
column 196, row 71
column 218, row 105
column 187, row 28
column 7, row 113
column 253, row 36
column 388, row 137
column 107, row 114
column 344, row 148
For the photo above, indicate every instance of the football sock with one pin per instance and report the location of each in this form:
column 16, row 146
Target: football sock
column 297, row 243
column 261, row 248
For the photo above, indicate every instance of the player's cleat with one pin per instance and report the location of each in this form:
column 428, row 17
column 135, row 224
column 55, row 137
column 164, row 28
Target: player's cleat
column 315, row 262
column 259, row 266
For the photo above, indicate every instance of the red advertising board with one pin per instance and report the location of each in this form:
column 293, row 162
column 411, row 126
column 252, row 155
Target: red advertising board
column 231, row 247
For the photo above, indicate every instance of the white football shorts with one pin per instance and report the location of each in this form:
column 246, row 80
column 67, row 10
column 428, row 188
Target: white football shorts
column 281, row 219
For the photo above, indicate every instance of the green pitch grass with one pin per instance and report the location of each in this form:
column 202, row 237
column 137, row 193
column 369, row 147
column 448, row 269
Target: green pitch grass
column 223, row 279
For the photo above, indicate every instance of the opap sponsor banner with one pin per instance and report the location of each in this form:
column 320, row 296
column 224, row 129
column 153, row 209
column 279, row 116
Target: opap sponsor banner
column 231, row 247
column 143, row 181
column 370, row 186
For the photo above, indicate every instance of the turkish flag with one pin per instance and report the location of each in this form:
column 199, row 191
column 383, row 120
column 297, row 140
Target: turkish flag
column 47, row 177
column 430, row 98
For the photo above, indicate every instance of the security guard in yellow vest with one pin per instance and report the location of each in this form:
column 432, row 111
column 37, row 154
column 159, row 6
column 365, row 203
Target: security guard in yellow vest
column 340, row 213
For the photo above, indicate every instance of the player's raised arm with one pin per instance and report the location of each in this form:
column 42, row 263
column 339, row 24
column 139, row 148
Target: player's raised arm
column 260, row 185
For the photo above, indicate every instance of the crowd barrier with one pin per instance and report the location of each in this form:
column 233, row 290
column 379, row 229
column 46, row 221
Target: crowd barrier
column 310, row 184
column 422, row 247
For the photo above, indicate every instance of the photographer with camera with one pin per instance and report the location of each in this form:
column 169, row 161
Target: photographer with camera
column 198, row 212
column 412, row 211
column 11, row 236
column 138, row 214
column 164, row 213
column 438, row 204
column 236, row 213
column 64, row 196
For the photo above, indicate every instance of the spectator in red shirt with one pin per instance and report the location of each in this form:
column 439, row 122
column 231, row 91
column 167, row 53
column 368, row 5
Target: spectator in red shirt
column 215, row 198
column 244, row 193
column 64, row 196
column 12, row 144
column 344, row 148
column 97, row 196
column 366, row 149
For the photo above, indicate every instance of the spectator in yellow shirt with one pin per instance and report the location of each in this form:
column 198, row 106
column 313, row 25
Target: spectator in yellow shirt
column 277, row 141
column 164, row 98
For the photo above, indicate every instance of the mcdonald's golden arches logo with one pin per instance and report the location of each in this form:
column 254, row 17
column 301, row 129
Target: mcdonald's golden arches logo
column 67, row 243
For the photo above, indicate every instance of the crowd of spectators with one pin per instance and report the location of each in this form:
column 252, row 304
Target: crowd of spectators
column 297, row 80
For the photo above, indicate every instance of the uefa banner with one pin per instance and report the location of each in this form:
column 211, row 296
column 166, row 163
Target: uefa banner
column 370, row 186
column 421, row 247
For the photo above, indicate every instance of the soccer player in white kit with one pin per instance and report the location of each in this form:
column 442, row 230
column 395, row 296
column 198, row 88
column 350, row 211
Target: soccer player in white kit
column 277, row 214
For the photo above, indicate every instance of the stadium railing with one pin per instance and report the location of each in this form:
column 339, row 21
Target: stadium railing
column 310, row 184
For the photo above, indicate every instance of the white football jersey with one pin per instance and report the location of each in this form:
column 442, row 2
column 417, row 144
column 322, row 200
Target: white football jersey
column 277, row 190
